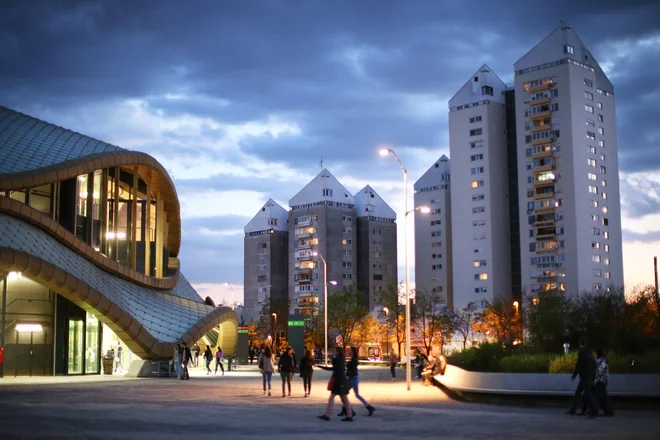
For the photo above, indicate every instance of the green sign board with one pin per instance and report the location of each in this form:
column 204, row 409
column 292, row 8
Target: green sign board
column 242, row 331
column 297, row 323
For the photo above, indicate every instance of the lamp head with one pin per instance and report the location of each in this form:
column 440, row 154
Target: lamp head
column 333, row 282
column 384, row 152
column 315, row 254
column 226, row 284
column 275, row 315
column 424, row 209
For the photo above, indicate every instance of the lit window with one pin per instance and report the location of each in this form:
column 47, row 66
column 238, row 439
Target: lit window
column 588, row 109
column 591, row 162
column 569, row 49
column 592, row 176
column 601, row 131
column 589, row 95
column 480, row 276
column 595, row 258
column 607, row 248
column 477, row 183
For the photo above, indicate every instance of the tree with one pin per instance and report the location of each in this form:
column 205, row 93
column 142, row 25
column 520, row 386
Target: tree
column 314, row 331
column 431, row 319
column 369, row 329
column 465, row 320
column 345, row 312
column 501, row 320
column 393, row 300
column 265, row 324
column 253, row 336
column 547, row 320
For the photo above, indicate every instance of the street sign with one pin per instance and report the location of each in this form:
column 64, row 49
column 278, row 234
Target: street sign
column 297, row 323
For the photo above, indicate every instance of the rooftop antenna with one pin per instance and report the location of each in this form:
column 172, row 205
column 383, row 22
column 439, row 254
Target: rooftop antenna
column 321, row 163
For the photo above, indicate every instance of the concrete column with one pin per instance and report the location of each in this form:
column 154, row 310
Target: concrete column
column 160, row 225
column 147, row 232
column 134, row 219
column 104, row 212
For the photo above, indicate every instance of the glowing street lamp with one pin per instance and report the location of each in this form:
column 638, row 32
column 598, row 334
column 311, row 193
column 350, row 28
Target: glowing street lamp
column 275, row 330
column 425, row 210
column 325, row 302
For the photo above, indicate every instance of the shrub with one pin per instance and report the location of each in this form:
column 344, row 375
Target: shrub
column 485, row 357
column 563, row 363
column 525, row 363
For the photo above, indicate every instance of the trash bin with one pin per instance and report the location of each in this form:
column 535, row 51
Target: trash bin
column 107, row 365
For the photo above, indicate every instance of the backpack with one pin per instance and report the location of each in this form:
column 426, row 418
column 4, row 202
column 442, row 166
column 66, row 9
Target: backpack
column 261, row 362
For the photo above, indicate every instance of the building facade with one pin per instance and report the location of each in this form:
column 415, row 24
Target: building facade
column 433, row 232
column 321, row 221
column 479, row 190
column 376, row 245
column 570, row 216
column 266, row 262
column 89, row 239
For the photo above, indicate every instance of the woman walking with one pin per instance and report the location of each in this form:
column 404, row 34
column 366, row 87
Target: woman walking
column 208, row 357
column 600, row 382
column 338, row 386
column 393, row 361
column 306, row 371
column 266, row 365
column 175, row 360
column 285, row 366
column 219, row 358
column 354, row 382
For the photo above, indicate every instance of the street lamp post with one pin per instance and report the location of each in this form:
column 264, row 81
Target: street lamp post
column 387, row 329
column 232, row 295
column 386, row 152
column 325, row 303
column 275, row 331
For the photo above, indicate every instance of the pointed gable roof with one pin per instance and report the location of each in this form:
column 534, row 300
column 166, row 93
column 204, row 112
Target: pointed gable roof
column 471, row 91
column 369, row 203
column 551, row 48
column 271, row 210
column 324, row 187
column 433, row 175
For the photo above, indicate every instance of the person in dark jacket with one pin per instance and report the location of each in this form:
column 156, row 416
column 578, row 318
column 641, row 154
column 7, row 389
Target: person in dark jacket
column 307, row 371
column 208, row 357
column 286, row 367
column 338, row 385
column 600, row 383
column 354, row 382
column 585, row 367
column 186, row 355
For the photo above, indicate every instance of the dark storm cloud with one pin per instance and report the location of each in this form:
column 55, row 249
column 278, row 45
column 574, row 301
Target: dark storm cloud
column 350, row 75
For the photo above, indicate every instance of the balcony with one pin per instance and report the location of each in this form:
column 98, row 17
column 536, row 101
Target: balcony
column 304, row 269
column 543, row 168
column 544, row 195
column 546, row 182
column 306, row 245
column 540, row 115
column 544, row 222
column 545, row 86
column 546, row 232
column 546, row 246
column 542, row 141
column 541, row 127
column 545, row 210
column 304, row 281
column 304, row 257
column 540, row 101
column 546, row 152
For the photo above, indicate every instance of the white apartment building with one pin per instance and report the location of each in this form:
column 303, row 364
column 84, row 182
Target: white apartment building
column 433, row 233
column 479, row 190
column 568, row 170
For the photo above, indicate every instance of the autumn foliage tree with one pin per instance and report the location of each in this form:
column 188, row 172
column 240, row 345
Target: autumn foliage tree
column 346, row 312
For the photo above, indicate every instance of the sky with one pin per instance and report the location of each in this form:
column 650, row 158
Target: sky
column 241, row 100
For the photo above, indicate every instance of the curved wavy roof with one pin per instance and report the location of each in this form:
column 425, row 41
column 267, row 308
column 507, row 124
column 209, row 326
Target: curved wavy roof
column 27, row 143
column 36, row 153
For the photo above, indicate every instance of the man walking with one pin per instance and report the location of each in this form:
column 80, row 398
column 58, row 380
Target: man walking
column 195, row 352
column 185, row 358
column 118, row 355
column 585, row 367
column 393, row 361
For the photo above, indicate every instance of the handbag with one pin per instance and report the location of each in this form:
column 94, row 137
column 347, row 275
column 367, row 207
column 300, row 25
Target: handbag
column 331, row 383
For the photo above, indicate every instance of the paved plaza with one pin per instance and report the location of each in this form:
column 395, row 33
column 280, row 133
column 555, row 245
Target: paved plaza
column 232, row 406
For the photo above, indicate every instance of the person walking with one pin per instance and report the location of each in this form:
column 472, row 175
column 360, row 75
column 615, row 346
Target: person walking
column 585, row 367
column 219, row 359
column 338, row 386
column 307, row 371
column 600, row 381
column 186, row 356
column 354, row 382
column 195, row 355
column 393, row 361
column 208, row 357
column 176, row 360
column 251, row 355
column 266, row 364
column 118, row 356
column 286, row 366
